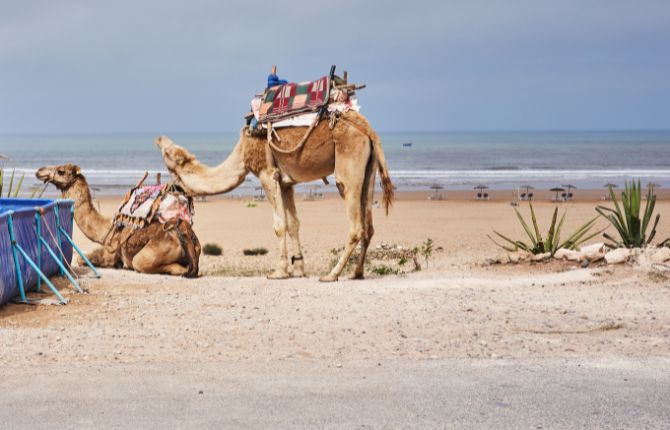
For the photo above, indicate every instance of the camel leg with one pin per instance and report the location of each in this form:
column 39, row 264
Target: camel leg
column 353, row 191
column 160, row 255
column 100, row 257
column 293, row 225
column 368, row 229
column 274, row 195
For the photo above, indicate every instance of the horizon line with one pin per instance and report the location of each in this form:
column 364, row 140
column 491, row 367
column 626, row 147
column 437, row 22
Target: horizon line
column 529, row 130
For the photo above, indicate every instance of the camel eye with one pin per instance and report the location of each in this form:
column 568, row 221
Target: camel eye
column 61, row 171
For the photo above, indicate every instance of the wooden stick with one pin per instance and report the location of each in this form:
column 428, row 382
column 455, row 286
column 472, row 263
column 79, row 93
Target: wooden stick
column 351, row 87
column 139, row 184
column 274, row 70
column 345, row 76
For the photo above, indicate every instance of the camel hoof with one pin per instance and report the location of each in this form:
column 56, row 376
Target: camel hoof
column 299, row 274
column 328, row 278
column 278, row 275
column 357, row 277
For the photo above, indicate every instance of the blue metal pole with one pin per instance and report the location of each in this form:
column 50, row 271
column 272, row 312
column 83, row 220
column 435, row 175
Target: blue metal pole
column 38, row 228
column 42, row 275
column 58, row 228
column 63, row 269
column 12, row 238
column 76, row 248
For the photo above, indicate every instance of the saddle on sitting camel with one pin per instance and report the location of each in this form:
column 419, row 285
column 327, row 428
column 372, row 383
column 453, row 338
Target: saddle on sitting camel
column 144, row 204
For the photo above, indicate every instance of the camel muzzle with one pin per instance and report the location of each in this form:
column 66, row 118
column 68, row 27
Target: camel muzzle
column 43, row 175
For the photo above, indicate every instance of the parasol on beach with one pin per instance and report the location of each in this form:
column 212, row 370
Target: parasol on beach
column 610, row 185
column 527, row 195
column 480, row 194
column 557, row 190
column 527, row 187
column 3, row 157
column 653, row 185
column 569, row 187
column 436, row 188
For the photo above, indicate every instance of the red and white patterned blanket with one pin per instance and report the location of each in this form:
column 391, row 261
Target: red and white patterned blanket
column 149, row 202
column 284, row 101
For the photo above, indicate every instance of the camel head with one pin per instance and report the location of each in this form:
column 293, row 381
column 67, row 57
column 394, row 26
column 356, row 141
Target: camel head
column 175, row 156
column 63, row 177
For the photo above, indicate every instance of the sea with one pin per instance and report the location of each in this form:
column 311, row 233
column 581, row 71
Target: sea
column 417, row 160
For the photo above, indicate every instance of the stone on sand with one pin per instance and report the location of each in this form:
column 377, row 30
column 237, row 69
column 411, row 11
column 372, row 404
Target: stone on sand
column 567, row 254
column 518, row 256
column 593, row 252
column 618, row 256
column 661, row 255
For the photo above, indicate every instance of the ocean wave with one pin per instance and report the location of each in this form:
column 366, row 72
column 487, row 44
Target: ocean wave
column 534, row 173
column 414, row 179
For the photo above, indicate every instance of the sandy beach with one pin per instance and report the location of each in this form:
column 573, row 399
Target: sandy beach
column 456, row 306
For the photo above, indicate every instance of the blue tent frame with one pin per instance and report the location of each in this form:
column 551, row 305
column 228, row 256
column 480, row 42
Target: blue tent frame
column 38, row 233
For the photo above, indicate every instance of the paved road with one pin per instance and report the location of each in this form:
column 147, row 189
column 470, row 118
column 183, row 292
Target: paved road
column 500, row 394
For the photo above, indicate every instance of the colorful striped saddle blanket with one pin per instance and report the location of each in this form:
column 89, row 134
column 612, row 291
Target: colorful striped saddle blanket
column 146, row 203
column 284, row 101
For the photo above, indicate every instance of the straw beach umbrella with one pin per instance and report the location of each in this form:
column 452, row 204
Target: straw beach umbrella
column 436, row 191
column 527, row 195
column 481, row 188
column 528, row 188
column 570, row 187
column 557, row 190
column 609, row 186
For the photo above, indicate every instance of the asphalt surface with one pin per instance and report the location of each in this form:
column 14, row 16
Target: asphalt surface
column 458, row 393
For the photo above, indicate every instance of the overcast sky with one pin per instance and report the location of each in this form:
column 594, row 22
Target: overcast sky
column 165, row 66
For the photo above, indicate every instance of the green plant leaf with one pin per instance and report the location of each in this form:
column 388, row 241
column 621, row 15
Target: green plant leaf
column 539, row 241
column 11, row 184
column 18, row 186
column 525, row 227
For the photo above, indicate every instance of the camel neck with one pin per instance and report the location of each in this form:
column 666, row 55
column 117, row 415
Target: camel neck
column 204, row 180
column 92, row 223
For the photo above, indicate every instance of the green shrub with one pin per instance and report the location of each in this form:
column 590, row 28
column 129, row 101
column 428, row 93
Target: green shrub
column 426, row 250
column 631, row 228
column 552, row 242
column 212, row 249
column 384, row 270
column 255, row 251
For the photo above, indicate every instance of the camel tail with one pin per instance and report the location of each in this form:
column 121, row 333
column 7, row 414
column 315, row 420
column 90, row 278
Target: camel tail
column 387, row 185
column 362, row 124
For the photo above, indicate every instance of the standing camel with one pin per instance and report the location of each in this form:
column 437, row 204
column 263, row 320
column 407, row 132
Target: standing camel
column 171, row 249
column 351, row 149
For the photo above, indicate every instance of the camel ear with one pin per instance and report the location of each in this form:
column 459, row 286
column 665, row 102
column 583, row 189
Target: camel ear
column 78, row 171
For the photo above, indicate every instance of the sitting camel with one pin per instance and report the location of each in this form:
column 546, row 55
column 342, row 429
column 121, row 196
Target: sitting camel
column 351, row 149
column 170, row 248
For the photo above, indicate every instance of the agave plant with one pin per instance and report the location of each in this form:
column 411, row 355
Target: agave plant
column 552, row 242
column 14, row 191
column 626, row 218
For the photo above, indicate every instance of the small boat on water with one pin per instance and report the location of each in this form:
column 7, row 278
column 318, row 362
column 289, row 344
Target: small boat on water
column 407, row 144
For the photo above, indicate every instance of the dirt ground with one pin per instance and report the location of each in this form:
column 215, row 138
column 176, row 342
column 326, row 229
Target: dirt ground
column 455, row 307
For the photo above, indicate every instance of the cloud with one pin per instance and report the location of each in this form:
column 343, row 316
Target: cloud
column 86, row 66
